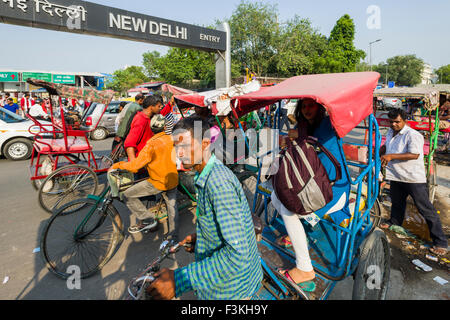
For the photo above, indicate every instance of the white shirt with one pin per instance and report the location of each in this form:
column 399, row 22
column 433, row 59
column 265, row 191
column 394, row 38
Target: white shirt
column 37, row 111
column 406, row 141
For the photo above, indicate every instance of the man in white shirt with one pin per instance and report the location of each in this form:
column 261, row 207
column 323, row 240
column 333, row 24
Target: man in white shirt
column 402, row 155
column 37, row 111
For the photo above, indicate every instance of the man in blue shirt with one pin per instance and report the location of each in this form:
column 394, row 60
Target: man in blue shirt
column 11, row 106
column 227, row 263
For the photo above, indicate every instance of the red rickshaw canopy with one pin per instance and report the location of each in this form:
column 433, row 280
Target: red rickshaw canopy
column 347, row 97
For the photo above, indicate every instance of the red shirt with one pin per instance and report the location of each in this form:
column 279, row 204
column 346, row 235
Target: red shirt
column 140, row 132
column 166, row 110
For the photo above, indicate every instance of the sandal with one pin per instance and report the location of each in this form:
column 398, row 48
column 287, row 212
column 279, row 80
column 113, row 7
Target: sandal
column 284, row 242
column 439, row 251
column 384, row 225
column 308, row 286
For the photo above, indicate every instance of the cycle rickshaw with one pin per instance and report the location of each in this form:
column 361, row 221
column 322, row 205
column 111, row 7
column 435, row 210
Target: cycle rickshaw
column 422, row 106
column 64, row 166
column 345, row 240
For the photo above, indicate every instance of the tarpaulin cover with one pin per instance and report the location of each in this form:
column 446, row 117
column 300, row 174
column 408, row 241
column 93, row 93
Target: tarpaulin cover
column 428, row 94
column 347, row 97
column 210, row 98
column 56, row 89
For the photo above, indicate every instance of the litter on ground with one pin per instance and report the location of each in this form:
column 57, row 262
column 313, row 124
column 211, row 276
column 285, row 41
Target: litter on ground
column 440, row 280
column 422, row 265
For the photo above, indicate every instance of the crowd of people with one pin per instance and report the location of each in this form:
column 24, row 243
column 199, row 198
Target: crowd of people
column 226, row 263
column 38, row 106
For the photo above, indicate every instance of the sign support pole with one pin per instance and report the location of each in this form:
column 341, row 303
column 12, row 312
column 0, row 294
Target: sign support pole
column 223, row 60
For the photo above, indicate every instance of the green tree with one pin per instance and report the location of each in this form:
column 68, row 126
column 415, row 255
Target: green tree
column 125, row 79
column 254, row 34
column 341, row 54
column 443, row 74
column 299, row 48
column 405, row 70
column 179, row 66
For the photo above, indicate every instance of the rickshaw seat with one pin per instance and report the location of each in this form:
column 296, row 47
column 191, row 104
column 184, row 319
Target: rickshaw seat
column 57, row 145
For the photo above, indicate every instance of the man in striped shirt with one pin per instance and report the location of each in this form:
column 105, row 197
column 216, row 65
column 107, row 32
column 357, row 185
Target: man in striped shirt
column 227, row 264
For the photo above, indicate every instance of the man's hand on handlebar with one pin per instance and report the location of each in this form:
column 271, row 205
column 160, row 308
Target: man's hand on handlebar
column 163, row 288
column 189, row 242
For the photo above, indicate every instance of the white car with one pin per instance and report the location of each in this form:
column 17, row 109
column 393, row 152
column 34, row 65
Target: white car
column 16, row 142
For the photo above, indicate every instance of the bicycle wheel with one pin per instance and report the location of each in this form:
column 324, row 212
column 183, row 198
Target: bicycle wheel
column 67, row 184
column 66, row 242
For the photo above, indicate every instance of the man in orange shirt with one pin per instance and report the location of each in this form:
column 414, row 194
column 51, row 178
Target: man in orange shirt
column 158, row 157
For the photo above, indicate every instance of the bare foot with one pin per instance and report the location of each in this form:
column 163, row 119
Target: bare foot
column 301, row 276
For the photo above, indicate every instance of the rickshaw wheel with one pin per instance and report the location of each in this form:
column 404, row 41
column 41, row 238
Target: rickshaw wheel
column 48, row 169
column 249, row 181
column 66, row 184
column 372, row 274
column 45, row 169
column 375, row 214
column 432, row 182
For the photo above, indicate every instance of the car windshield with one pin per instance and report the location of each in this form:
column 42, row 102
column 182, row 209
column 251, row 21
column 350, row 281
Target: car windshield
column 10, row 117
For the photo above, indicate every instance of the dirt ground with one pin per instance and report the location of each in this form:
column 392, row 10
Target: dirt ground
column 416, row 242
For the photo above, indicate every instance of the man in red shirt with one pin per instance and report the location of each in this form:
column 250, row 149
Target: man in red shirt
column 140, row 131
column 26, row 103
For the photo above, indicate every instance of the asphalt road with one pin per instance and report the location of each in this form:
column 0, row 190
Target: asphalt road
column 26, row 276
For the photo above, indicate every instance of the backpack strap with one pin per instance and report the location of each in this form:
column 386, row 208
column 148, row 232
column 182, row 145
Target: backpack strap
column 315, row 142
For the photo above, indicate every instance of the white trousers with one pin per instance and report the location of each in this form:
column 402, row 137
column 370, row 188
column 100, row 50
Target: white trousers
column 296, row 233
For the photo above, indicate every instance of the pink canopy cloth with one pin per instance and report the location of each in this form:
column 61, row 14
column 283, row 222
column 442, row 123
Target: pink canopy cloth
column 347, row 97
column 175, row 90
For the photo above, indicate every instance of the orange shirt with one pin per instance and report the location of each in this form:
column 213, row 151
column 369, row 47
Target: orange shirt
column 157, row 156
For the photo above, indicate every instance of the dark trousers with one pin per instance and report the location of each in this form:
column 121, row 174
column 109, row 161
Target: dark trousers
column 284, row 120
column 419, row 193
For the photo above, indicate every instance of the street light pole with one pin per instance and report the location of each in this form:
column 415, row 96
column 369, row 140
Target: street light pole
column 370, row 52
column 386, row 74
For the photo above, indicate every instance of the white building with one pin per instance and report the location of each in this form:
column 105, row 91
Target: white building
column 427, row 74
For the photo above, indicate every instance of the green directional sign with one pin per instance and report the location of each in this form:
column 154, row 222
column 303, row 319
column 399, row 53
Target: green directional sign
column 35, row 75
column 65, row 79
column 9, row 77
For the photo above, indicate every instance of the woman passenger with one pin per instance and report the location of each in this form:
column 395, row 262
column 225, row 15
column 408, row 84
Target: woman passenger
column 308, row 114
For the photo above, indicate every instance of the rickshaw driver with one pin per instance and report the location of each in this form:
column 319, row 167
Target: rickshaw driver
column 227, row 264
column 402, row 155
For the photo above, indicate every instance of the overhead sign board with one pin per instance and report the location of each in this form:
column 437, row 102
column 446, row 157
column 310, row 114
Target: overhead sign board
column 94, row 19
column 64, row 79
column 36, row 75
column 9, row 77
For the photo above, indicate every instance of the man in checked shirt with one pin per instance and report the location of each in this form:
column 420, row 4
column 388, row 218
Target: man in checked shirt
column 227, row 264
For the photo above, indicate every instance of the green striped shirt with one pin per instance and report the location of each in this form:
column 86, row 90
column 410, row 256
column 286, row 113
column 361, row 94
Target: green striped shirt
column 227, row 263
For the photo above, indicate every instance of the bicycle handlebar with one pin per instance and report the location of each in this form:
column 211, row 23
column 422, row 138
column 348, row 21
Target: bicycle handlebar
column 147, row 276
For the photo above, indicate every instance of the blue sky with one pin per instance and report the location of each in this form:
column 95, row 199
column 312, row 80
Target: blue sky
column 407, row 27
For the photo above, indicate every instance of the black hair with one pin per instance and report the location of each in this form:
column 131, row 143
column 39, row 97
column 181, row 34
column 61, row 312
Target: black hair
column 188, row 124
column 151, row 101
column 10, row 99
column 139, row 96
column 394, row 113
column 123, row 103
column 301, row 119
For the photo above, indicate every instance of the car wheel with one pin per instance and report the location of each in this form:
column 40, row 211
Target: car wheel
column 99, row 134
column 18, row 149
